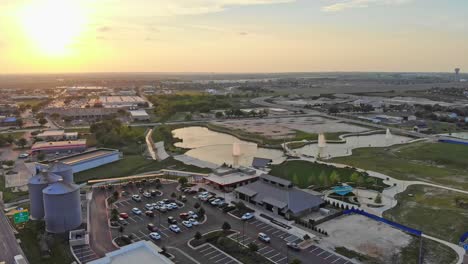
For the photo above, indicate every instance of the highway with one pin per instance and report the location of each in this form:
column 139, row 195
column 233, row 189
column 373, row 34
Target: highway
column 9, row 248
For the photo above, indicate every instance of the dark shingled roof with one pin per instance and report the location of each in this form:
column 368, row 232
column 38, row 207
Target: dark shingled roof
column 260, row 162
column 276, row 179
column 287, row 199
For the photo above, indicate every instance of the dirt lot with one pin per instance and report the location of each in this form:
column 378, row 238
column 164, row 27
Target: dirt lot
column 286, row 127
column 361, row 234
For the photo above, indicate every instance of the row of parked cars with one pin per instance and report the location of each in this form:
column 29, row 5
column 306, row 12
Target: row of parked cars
column 189, row 220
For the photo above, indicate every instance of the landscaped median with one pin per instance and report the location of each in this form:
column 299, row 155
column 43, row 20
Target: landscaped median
column 222, row 239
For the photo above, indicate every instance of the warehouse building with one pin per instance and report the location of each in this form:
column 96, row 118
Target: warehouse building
column 139, row 115
column 90, row 159
column 59, row 146
column 57, row 135
column 279, row 196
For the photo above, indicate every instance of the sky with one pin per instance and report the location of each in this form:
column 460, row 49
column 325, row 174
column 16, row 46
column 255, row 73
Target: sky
column 49, row 36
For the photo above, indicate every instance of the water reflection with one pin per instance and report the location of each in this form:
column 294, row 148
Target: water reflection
column 215, row 147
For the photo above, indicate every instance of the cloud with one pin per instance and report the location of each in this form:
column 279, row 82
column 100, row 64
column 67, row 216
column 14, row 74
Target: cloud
column 350, row 4
column 243, row 33
column 195, row 7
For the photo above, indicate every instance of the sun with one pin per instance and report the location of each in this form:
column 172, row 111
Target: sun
column 52, row 26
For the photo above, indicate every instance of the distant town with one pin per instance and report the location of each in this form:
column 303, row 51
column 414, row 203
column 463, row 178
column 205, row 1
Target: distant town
column 234, row 168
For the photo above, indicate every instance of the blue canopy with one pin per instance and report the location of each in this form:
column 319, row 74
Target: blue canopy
column 342, row 190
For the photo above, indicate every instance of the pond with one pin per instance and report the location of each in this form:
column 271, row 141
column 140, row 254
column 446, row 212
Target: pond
column 339, row 150
column 215, row 147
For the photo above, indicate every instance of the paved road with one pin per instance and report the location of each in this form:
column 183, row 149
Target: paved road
column 9, row 248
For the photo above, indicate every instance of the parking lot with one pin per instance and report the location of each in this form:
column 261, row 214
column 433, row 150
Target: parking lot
column 276, row 251
column 212, row 255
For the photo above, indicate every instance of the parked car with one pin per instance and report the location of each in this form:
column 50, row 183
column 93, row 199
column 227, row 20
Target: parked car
column 187, row 224
column 229, row 208
column 174, row 205
column 192, row 214
column 166, row 201
column 152, row 227
column 263, row 237
column 147, row 194
column 162, row 209
column 153, row 193
column 140, row 190
column 23, row 155
column 123, row 215
column 194, row 221
column 247, row 216
column 149, row 207
column 123, row 193
column 174, row 228
column 171, row 220
column 293, row 246
column 183, row 198
column 149, row 213
column 122, row 221
column 136, row 211
column 155, row 236
column 184, row 216
column 136, row 198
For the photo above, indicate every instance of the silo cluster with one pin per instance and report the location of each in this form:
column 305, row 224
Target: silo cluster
column 55, row 198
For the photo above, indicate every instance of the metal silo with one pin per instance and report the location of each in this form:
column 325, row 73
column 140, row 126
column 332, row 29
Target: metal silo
column 35, row 185
column 62, row 207
column 64, row 170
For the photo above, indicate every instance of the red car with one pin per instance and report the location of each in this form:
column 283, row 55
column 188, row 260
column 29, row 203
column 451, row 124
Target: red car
column 123, row 215
column 184, row 216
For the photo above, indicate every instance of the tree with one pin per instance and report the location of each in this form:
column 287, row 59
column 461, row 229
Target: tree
column 183, row 181
column 115, row 194
column 334, row 177
column 55, row 116
column 201, row 212
column 252, row 247
column 219, row 114
column 196, row 205
column 378, row 198
column 114, row 214
column 226, row 226
column 22, row 142
column 306, row 237
column 354, row 177
column 158, row 184
column 198, row 235
column 20, row 122
column 296, row 261
column 173, row 195
column 188, row 117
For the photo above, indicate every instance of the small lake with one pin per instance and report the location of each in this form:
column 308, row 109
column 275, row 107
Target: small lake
column 215, row 147
column 353, row 142
column 462, row 135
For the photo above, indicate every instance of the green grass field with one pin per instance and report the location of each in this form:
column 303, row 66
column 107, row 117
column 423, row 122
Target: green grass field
column 59, row 248
column 304, row 174
column 131, row 165
column 440, row 163
column 434, row 211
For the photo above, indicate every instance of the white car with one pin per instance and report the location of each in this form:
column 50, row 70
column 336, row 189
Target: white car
column 174, row 205
column 155, row 236
column 136, row 198
column 174, row 228
column 147, row 194
column 136, row 211
column 169, row 207
column 247, row 216
column 194, row 222
column 263, row 237
column 193, row 215
column 187, row 223
column 215, row 202
column 149, row 207
column 23, row 155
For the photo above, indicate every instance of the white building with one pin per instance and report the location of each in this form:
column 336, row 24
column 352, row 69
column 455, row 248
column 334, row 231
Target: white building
column 141, row 252
column 56, row 135
column 91, row 159
column 139, row 115
column 121, row 101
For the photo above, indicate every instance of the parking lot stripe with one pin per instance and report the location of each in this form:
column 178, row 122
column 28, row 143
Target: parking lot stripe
column 261, row 224
column 205, row 249
column 321, row 253
column 269, row 229
column 274, row 256
column 220, row 259
column 132, row 219
column 214, row 251
column 215, row 256
column 336, row 260
column 276, row 231
column 329, row 256
column 313, row 249
column 281, row 259
column 264, row 253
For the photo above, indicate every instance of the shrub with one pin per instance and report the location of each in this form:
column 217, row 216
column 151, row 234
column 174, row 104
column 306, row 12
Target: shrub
column 253, row 247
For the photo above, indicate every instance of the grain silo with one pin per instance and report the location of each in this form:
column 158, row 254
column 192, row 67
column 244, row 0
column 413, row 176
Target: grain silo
column 62, row 207
column 35, row 185
column 62, row 169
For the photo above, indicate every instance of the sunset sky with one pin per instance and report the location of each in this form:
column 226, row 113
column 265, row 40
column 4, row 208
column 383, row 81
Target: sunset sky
column 39, row 36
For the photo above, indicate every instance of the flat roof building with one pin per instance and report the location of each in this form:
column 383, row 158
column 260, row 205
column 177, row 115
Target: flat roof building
column 59, row 146
column 90, row 159
column 227, row 179
column 121, row 101
column 279, row 196
column 141, row 252
column 56, row 135
column 139, row 115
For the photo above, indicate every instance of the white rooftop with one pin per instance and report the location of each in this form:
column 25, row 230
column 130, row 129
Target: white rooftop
column 138, row 113
column 142, row 252
column 51, row 133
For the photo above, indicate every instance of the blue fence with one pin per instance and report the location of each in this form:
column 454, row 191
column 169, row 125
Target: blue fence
column 464, row 237
column 383, row 220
